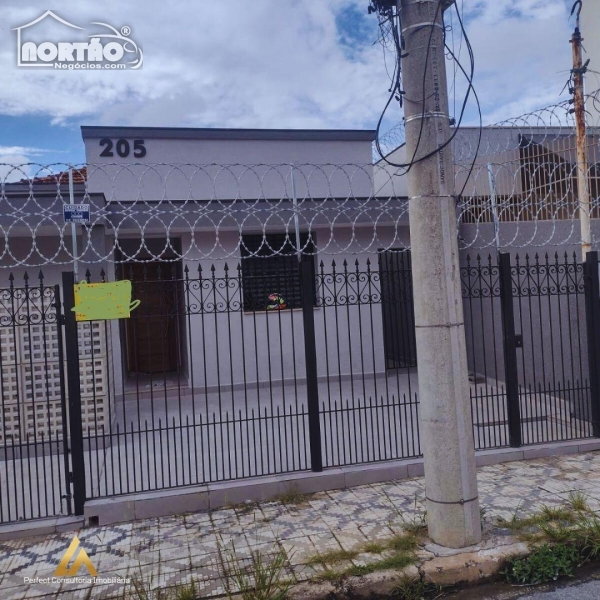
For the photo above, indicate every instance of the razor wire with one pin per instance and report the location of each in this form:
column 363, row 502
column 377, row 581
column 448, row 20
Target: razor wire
column 520, row 191
column 169, row 212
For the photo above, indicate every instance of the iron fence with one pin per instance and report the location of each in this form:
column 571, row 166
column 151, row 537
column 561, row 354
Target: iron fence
column 527, row 348
column 216, row 380
column 34, row 463
column 277, row 366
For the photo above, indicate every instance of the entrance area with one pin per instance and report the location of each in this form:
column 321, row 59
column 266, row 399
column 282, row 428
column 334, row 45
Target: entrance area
column 397, row 307
column 152, row 332
column 152, row 338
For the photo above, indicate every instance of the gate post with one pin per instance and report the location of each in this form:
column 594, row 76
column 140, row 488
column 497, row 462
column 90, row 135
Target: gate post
column 74, row 387
column 509, row 343
column 307, row 280
column 592, row 318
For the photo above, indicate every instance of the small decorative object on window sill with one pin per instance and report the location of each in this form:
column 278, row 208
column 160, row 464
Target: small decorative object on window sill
column 276, row 302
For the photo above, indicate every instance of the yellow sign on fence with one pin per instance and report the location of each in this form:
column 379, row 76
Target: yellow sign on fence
column 102, row 301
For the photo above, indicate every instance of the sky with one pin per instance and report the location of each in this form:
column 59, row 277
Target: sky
column 260, row 64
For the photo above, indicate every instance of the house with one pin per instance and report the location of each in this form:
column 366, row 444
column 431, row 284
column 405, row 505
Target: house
column 206, row 223
column 240, row 340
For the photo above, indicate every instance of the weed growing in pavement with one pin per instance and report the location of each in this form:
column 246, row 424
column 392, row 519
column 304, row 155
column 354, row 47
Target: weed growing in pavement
column 562, row 538
column 578, row 502
column 417, row 589
column 544, row 564
column 292, row 496
column 259, row 576
column 143, row 590
column 399, row 550
column 333, row 557
column 398, row 560
column 374, row 547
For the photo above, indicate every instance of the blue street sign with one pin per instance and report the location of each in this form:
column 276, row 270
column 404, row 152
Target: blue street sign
column 76, row 213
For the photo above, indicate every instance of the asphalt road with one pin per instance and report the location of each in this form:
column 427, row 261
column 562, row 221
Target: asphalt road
column 584, row 591
column 586, row 586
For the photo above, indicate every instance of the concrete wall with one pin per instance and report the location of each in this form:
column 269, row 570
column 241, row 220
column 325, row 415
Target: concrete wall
column 200, row 169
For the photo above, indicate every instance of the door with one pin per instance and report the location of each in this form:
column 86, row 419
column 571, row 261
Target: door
column 152, row 330
column 398, row 309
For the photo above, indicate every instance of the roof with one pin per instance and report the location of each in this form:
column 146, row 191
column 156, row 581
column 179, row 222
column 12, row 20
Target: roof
column 79, row 176
column 185, row 133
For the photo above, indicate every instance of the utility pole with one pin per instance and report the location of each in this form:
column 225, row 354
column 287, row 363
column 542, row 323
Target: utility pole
column 446, row 427
column 583, row 191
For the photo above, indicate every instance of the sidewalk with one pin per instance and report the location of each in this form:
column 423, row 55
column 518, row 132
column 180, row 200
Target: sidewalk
column 167, row 551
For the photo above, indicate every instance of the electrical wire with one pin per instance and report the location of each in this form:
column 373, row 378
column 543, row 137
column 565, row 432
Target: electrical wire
column 396, row 90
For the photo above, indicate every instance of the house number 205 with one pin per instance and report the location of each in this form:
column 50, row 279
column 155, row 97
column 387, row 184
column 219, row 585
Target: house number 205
column 122, row 148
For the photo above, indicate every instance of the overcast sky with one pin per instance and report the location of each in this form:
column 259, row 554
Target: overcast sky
column 263, row 64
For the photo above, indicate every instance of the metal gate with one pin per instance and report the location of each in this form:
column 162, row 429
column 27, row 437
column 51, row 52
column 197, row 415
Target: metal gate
column 529, row 323
column 34, row 458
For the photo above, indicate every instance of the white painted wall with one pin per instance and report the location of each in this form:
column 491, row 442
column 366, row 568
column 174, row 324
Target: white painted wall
column 204, row 169
column 270, row 344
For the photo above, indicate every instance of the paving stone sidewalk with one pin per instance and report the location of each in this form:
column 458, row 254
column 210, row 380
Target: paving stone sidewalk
column 170, row 550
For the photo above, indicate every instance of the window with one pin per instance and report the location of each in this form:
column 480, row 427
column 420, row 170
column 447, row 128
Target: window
column 272, row 281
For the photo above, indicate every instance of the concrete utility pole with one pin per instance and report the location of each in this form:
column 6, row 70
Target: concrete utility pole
column 447, row 432
column 583, row 191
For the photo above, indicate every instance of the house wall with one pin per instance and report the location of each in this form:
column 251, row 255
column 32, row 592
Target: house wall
column 270, row 344
column 201, row 169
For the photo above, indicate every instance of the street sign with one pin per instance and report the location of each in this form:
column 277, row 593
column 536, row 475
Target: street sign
column 76, row 213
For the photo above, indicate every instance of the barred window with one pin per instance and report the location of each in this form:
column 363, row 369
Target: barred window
column 272, row 281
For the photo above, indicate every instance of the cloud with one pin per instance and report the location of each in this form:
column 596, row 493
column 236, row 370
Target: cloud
column 225, row 64
column 308, row 63
column 522, row 55
column 13, row 167
column 23, row 150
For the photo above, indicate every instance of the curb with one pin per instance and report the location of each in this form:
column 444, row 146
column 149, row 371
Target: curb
column 458, row 568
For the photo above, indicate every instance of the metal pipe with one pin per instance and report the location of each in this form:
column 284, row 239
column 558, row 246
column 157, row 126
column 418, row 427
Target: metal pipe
column 296, row 222
column 73, row 227
column 492, row 180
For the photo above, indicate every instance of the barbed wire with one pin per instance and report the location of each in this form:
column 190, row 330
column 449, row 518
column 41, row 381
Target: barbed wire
column 173, row 211
column 521, row 192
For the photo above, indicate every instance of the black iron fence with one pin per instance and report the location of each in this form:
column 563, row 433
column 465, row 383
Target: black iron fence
column 527, row 348
column 222, row 373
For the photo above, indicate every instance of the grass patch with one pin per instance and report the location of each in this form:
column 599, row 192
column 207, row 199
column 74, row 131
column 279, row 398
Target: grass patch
column 398, row 560
column 374, row 547
column 416, row 589
column 401, row 550
column 578, row 502
column 258, row 577
column 402, row 543
column 544, row 564
column 328, row 575
column 333, row 557
column 547, row 515
column 142, row 590
column 291, row 497
column 562, row 538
